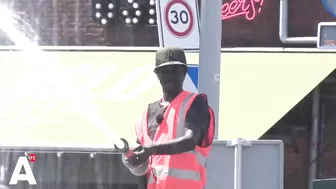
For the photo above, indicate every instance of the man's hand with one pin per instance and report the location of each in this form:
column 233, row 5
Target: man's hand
column 142, row 154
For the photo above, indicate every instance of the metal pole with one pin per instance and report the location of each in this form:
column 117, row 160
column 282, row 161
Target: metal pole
column 237, row 163
column 210, row 53
column 314, row 136
column 320, row 139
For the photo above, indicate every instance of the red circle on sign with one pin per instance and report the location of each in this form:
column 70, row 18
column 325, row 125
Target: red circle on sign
column 32, row 157
column 167, row 22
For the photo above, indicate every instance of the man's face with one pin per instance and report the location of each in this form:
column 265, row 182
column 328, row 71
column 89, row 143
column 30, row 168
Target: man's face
column 171, row 77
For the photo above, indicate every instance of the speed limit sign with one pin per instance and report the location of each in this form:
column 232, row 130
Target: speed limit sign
column 178, row 23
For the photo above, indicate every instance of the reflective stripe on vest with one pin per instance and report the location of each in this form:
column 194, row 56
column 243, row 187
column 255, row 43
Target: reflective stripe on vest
column 181, row 174
column 181, row 117
column 180, row 130
column 201, row 159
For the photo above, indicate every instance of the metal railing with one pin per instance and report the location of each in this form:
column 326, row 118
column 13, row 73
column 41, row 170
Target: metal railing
column 283, row 28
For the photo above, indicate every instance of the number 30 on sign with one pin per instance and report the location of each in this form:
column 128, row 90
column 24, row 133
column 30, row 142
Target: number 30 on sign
column 178, row 23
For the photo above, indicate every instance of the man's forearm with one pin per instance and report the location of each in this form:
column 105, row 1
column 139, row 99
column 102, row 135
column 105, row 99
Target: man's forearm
column 176, row 146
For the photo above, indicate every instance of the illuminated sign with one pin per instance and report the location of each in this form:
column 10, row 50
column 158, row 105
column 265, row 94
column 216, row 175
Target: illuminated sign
column 247, row 8
column 134, row 12
column 107, row 12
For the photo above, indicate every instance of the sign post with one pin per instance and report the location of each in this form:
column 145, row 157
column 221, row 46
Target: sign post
column 178, row 23
column 210, row 54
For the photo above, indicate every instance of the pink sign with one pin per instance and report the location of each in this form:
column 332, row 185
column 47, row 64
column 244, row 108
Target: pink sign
column 246, row 8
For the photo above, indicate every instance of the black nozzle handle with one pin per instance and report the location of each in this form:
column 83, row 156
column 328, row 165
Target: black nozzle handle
column 126, row 147
column 126, row 150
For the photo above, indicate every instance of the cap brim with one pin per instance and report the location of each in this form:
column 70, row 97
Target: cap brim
column 171, row 64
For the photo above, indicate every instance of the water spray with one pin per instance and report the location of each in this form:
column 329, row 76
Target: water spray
column 124, row 148
column 120, row 144
column 11, row 26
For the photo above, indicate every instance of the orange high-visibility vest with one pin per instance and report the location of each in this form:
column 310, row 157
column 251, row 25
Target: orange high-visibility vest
column 181, row 171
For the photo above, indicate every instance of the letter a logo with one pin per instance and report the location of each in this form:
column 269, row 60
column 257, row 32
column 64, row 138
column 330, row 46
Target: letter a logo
column 28, row 175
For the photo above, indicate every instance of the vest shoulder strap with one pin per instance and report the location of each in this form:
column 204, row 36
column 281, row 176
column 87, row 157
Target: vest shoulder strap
column 139, row 125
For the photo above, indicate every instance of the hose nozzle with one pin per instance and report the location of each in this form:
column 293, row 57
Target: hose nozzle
column 123, row 148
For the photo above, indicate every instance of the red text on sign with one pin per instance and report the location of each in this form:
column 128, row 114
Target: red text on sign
column 247, row 8
column 32, row 157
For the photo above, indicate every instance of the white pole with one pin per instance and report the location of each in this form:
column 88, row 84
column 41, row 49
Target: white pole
column 237, row 163
column 210, row 53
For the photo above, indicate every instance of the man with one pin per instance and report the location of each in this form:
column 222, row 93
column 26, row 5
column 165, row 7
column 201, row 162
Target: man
column 176, row 132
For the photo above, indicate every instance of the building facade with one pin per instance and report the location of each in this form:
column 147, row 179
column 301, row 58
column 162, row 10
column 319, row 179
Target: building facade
column 71, row 23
